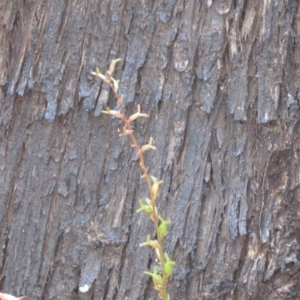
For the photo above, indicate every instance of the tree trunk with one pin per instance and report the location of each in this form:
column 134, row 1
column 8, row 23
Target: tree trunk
column 220, row 80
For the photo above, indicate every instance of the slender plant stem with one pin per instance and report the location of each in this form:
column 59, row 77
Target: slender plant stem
column 146, row 176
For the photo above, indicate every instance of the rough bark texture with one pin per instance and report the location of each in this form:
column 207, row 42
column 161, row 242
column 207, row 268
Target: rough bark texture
column 220, row 79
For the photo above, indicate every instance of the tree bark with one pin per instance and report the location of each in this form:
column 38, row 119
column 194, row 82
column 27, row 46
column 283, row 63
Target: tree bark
column 220, row 80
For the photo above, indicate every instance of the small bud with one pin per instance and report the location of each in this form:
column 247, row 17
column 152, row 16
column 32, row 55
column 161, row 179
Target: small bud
column 152, row 243
column 137, row 115
column 116, row 84
column 149, row 146
column 157, row 279
column 169, row 264
column 156, row 186
column 145, row 207
column 163, row 226
column 97, row 70
column 114, row 113
column 98, row 74
column 126, row 132
column 112, row 66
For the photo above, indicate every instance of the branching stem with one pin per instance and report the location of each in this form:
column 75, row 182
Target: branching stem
column 153, row 185
column 137, row 147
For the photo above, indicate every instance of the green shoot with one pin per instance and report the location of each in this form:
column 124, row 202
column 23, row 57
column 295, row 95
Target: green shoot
column 148, row 205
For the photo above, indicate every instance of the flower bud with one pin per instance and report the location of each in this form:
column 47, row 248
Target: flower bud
column 112, row 66
column 169, row 264
column 152, row 243
column 147, row 147
column 137, row 115
column 116, row 84
column 157, row 279
column 98, row 74
column 114, row 113
column 145, row 207
column 163, row 226
column 126, row 132
column 156, row 186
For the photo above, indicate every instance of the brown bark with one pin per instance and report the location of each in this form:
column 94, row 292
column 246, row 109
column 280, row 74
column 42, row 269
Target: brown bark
column 220, row 80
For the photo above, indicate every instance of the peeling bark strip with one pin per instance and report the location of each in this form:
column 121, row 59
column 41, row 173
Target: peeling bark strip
column 220, row 80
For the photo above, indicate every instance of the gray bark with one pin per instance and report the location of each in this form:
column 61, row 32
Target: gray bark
column 220, row 80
